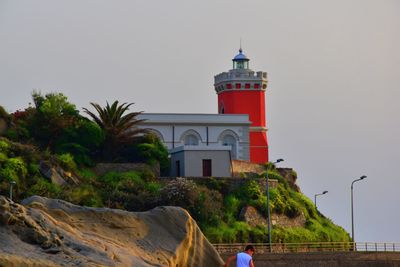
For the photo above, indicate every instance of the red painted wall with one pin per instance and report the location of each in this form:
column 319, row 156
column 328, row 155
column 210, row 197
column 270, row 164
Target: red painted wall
column 244, row 102
column 258, row 147
column 250, row 102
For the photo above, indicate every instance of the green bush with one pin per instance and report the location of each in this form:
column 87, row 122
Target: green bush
column 79, row 153
column 84, row 195
column 67, row 161
column 249, row 191
column 3, row 157
column 87, row 175
column 292, row 208
column 42, row 187
column 129, row 190
column 114, row 180
column 13, row 169
column 203, row 204
column 4, row 146
column 231, row 208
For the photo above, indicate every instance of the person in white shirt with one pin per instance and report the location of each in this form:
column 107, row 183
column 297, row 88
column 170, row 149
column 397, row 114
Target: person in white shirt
column 243, row 259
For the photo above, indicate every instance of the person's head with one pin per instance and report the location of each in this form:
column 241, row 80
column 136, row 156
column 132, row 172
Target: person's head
column 249, row 249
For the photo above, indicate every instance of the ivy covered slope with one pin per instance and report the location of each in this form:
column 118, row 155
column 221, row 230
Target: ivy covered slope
column 50, row 149
column 294, row 216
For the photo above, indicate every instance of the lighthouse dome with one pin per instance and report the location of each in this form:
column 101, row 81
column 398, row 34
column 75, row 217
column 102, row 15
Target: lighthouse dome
column 240, row 56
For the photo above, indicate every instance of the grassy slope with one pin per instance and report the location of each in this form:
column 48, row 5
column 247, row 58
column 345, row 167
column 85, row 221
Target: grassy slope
column 285, row 201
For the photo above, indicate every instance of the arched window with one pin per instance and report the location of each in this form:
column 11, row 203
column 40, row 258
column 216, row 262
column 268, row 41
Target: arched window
column 230, row 140
column 191, row 140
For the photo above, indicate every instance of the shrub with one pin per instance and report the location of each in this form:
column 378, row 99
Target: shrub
column 213, row 234
column 203, row 204
column 87, row 175
column 114, row 180
column 292, row 208
column 207, row 206
column 42, row 187
column 4, row 146
column 249, row 191
column 67, row 161
column 80, row 153
column 84, row 195
column 231, row 208
column 179, row 192
column 129, row 190
column 3, row 157
column 13, row 169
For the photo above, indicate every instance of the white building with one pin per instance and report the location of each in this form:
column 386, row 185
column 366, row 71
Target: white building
column 201, row 144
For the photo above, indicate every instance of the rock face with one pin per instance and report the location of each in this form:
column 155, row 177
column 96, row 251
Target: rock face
column 48, row 232
column 57, row 175
column 251, row 215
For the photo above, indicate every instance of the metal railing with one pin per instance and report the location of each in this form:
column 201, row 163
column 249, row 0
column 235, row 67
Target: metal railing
column 312, row 247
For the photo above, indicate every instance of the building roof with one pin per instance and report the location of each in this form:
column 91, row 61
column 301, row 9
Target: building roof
column 191, row 118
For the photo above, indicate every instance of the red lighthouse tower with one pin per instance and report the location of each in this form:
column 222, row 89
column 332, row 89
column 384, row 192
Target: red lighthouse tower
column 242, row 91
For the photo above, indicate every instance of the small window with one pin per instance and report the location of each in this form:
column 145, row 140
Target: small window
column 256, row 86
column 229, row 86
column 238, row 85
column 247, row 86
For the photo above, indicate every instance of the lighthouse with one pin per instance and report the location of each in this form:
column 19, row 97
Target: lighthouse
column 242, row 91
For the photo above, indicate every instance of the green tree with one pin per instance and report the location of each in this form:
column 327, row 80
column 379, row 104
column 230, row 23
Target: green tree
column 53, row 113
column 55, row 124
column 120, row 128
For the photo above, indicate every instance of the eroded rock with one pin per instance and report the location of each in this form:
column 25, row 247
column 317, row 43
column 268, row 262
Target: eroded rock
column 56, row 233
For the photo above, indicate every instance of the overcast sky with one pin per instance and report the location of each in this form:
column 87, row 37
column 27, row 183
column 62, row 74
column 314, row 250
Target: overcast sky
column 333, row 66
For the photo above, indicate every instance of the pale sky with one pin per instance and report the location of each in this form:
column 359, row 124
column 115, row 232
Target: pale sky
column 333, row 66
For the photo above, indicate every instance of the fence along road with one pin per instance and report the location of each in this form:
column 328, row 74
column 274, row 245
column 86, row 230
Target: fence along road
column 263, row 248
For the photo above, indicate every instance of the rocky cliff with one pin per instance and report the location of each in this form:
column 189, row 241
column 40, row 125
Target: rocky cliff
column 49, row 232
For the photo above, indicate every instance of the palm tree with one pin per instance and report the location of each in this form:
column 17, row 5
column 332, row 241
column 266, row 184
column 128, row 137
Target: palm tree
column 119, row 129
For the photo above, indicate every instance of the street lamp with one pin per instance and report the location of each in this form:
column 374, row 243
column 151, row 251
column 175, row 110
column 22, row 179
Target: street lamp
column 12, row 183
column 352, row 213
column 315, row 197
column 268, row 208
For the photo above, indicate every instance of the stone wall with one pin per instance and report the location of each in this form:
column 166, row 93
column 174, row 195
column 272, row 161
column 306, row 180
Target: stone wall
column 242, row 168
column 248, row 169
column 326, row 259
column 103, row 168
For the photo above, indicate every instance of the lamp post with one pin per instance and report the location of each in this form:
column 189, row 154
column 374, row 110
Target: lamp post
column 315, row 197
column 12, row 183
column 268, row 207
column 352, row 213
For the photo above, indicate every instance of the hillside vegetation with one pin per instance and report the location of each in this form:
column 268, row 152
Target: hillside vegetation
column 53, row 135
